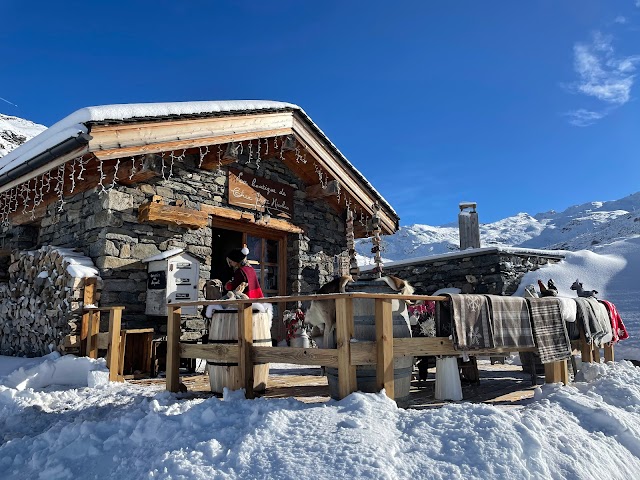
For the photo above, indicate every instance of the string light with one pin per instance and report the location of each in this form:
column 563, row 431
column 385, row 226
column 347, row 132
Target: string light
column 102, row 178
column 59, row 189
column 115, row 174
column 202, row 155
column 133, row 168
column 72, row 175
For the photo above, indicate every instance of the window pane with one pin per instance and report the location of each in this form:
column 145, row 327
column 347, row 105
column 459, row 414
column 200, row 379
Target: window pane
column 270, row 278
column 271, row 251
column 254, row 244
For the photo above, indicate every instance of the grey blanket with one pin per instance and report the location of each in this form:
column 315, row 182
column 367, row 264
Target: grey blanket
column 549, row 329
column 510, row 322
column 472, row 329
column 594, row 320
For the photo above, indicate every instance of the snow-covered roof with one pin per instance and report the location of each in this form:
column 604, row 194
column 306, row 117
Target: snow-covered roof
column 77, row 123
column 470, row 252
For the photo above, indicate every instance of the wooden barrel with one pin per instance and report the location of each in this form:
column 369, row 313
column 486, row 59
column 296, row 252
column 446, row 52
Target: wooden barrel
column 224, row 329
column 364, row 328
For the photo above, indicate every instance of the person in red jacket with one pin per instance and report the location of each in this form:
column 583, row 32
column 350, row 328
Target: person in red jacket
column 243, row 272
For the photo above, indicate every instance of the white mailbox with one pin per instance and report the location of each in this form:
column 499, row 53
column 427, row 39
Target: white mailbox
column 172, row 277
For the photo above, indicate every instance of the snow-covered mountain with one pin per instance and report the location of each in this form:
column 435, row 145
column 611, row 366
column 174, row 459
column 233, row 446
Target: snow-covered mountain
column 14, row 131
column 576, row 228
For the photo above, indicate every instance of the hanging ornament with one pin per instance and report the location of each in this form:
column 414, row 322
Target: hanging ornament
column 354, row 270
column 375, row 224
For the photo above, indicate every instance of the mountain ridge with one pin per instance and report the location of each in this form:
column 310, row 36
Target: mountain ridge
column 583, row 226
column 14, row 131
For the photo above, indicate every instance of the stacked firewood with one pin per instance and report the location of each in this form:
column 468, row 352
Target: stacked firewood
column 43, row 300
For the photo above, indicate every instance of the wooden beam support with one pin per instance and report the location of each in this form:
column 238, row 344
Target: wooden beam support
column 87, row 299
column 317, row 191
column 140, row 170
column 115, row 347
column 92, row 334
column 171, row 215
column 586, row 350
column 245, row 345
column 384, row 342
column 609, row 355
column 556, row 372
column 347, row 383
column 173, row 349
column 229, row 214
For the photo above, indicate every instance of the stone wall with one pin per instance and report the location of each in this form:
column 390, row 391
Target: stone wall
column 494, row 271
column 105, row 227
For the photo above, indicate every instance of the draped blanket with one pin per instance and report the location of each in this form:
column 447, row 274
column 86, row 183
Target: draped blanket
column 549, row 330
column 472, row 329
column 618, row 330
column 510, row 322
column 595, row 320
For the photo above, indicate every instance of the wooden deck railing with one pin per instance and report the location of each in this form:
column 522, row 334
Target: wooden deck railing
column 345, row 357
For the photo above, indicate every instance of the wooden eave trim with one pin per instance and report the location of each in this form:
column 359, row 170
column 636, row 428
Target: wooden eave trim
column 123, row 140
column 334, row 166
column 45, row 168
column 229, row 214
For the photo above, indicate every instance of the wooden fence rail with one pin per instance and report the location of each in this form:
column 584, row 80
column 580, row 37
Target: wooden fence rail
column 345, row 357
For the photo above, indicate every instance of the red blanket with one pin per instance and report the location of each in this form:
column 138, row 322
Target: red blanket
column 617, row 327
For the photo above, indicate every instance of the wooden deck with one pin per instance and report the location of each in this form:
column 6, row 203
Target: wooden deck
column 504, row 385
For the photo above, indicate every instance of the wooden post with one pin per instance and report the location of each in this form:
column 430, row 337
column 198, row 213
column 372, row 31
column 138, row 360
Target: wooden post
column 585, row 349
column 609, row 355
column 564, row 372
column 92, row 334
column 384, row 346
column 344, row 331
column 88, row 299
column 114, row 348
column 123, row 347
column 553, row 372
column 245, row 344
column 173, row 349
column 596, row 354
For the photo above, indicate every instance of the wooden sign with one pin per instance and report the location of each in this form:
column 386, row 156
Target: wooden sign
column 255, row 193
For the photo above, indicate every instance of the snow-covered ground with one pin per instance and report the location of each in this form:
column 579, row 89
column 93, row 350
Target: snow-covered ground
column 61, row 419
column 48, row 431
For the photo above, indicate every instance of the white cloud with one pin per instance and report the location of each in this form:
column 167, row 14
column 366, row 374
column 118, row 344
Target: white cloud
column 583, row 117
column 620, row 19
column 603, row 74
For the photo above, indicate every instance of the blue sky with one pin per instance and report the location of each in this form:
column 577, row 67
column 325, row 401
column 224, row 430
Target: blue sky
column 518, row 106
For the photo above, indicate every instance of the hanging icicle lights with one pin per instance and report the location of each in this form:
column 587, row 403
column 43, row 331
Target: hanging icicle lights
column 33, row 192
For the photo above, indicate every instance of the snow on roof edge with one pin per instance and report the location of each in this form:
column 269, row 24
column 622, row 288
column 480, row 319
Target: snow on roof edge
column 467, row 252
column 76, row 123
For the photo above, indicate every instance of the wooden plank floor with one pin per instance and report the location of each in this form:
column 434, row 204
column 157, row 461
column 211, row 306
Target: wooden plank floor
column 504, row 385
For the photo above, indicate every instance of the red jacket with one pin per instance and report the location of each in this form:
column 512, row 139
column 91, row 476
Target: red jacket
column 246, row 274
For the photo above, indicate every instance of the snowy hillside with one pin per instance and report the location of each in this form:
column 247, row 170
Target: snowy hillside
column 15, row 131
column 579, row 227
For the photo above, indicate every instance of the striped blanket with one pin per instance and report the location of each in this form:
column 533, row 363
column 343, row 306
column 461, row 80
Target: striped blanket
column 549, row 329
column 595, row 320
column 472, row 329
column 510, row 322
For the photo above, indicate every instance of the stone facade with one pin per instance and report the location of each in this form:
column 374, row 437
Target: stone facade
column 105, row 227
column 496, row 271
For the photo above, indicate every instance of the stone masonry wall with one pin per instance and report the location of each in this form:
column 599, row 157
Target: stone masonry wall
column 494, row 272
column 105, row 227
